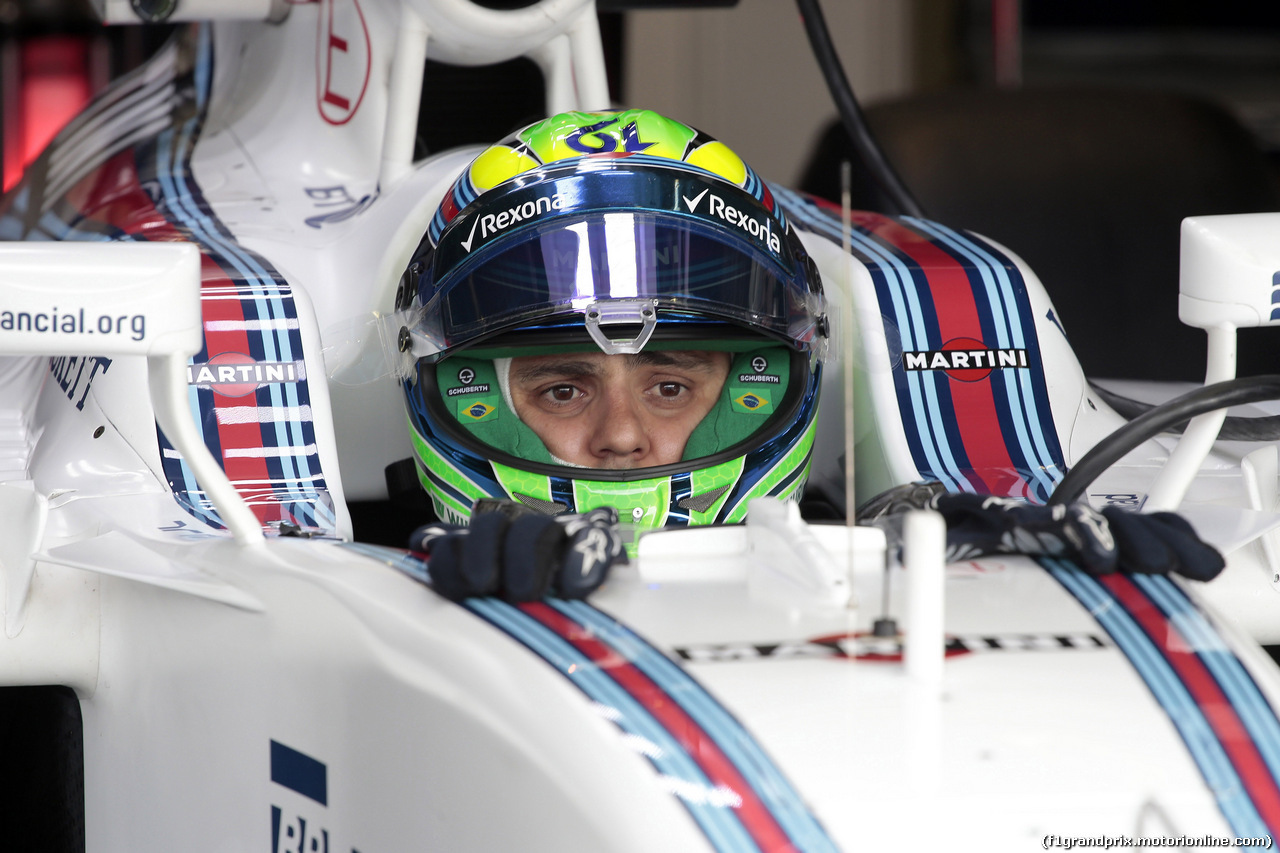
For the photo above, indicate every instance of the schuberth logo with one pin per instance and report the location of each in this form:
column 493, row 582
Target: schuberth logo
column 965, row 359
column 482, row 388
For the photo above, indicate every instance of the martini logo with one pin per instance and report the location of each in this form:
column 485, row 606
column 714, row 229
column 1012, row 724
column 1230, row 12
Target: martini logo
column 762, row 231
column 862, row 646
column 477, row 411
column 965, row 359
column 492, row 223
column 234, row 374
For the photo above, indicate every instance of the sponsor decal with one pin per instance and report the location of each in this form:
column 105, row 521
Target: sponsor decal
column 965, row 359
column 751, row 401
column 466, row 376
column 761, row 229
column 342, row 61
column 1129, row 500
column 750, row 392
column 866, row 647
column 495, row 223
column 298, row 826
column 52, row 322
column 448, row 514
column 234, row 374
column 482, row 388
column 74, row 375
column 477, row 411
column 338, row 203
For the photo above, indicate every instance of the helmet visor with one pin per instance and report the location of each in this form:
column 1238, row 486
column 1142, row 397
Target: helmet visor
column 682, row 267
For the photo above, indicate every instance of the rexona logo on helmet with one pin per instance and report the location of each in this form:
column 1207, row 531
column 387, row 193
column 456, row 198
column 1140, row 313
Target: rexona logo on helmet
column 610, row 309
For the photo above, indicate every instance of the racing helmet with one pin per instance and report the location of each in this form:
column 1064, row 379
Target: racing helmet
column 614, row 231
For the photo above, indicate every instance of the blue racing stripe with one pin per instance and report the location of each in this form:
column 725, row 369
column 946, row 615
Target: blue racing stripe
column 1007, row 309
column 1187, row 717
column 738, row 745
column 926, row 430
column 1254, row 710
column 720, row 825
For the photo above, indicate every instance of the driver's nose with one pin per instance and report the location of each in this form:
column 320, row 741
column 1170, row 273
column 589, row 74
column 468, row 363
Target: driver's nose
column 619, row 438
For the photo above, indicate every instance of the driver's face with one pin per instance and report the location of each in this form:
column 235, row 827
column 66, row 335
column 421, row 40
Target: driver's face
column 617, row 411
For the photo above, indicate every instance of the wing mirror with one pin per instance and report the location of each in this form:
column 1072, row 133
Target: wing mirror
column 1229, row 277
column 119, row 300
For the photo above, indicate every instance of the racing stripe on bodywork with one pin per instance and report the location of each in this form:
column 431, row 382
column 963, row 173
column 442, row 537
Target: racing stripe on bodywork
column 937, row 288
column 703, row 755
column 735, row 793
column 1227, row 724
column 122, row 171
column 272, row 459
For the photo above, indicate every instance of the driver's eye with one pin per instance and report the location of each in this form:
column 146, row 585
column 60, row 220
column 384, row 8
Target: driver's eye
column 562, row 393
column 670, row 389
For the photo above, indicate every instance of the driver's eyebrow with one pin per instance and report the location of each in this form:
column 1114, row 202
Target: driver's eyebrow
column 531, row 373
column 569, row 367
column 683, row 359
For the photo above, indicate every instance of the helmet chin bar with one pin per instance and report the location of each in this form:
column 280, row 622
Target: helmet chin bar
column 621, row 312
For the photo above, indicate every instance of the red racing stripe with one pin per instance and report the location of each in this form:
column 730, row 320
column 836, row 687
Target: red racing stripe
column 957, row 311
column 1200, row 683
column 218, row 341
column 114, row 196
column 755, row 816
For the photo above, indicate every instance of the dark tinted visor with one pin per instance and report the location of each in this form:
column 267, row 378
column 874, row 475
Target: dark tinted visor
column 682, row 266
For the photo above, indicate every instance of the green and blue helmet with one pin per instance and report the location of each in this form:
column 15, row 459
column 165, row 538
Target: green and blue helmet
column 614, row 232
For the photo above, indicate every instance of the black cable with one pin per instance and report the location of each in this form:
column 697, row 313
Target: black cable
column 855, row 123
column 1234, row 392
column 1262, row 428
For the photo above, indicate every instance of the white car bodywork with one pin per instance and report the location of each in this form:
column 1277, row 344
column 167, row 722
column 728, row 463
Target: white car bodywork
column 309, row 693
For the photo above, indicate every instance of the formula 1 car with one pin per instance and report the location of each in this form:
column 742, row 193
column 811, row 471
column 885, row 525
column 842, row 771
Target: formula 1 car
column 199, row 652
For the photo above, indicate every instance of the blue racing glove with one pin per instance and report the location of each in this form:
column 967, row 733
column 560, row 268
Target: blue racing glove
column 1112, row 540
column 511, row 551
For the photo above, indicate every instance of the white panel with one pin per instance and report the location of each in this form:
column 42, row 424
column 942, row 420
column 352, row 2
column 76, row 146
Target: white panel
column 99, row 299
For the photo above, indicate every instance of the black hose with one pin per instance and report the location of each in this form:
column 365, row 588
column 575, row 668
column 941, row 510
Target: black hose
column 1233, row 392
column 1261, row 428
column 855, row 123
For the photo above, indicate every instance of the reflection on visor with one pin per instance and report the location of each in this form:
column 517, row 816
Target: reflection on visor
column 560, row 268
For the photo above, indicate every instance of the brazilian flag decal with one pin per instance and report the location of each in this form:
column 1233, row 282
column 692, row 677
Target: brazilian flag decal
column 755, row 401
column 476, row 411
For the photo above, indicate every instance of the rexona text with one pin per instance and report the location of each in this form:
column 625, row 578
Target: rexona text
column 492, row 223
